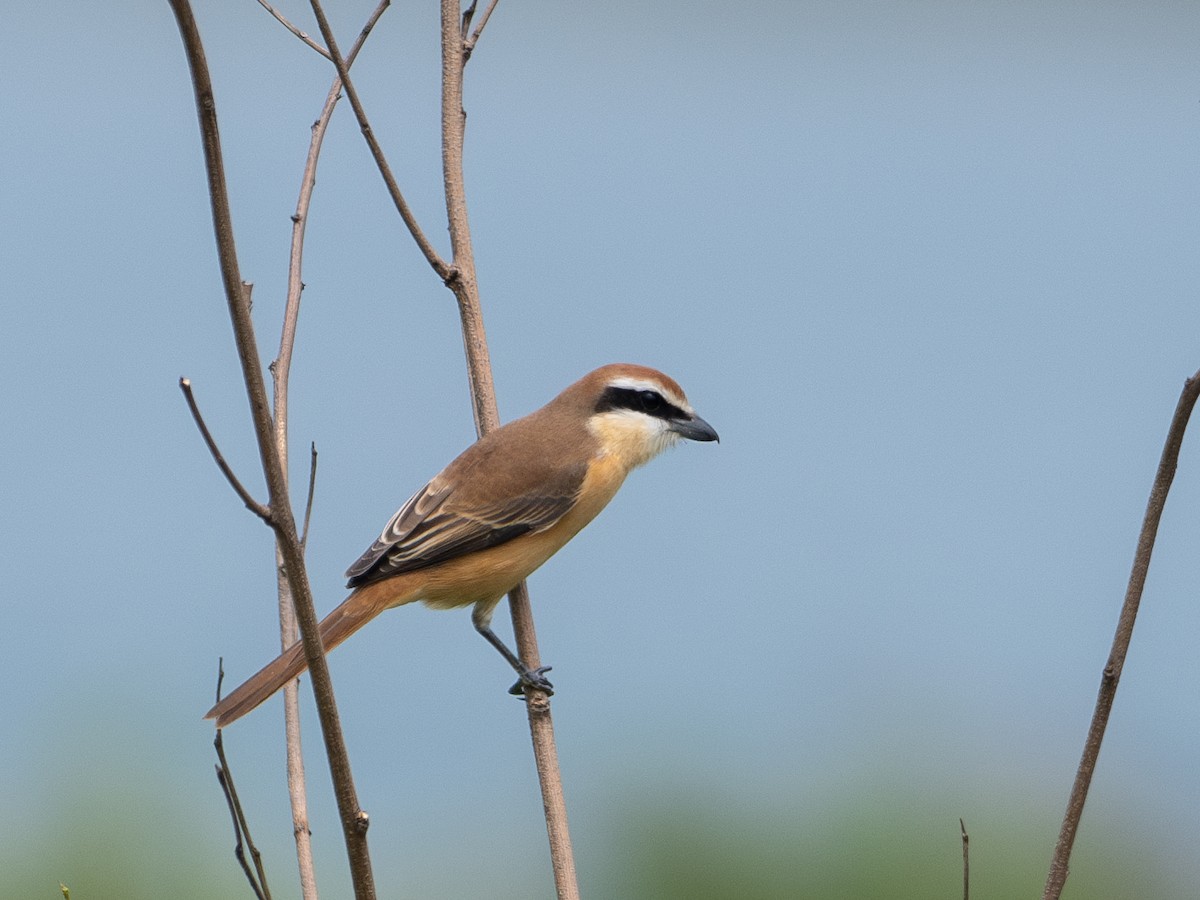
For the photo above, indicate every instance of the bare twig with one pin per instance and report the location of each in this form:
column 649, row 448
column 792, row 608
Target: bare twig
column 469, row 43
column 280, row 370
column 353, row 819
column 545, row 752
column 487, row 418
column 281, row 367
column 225, row 779
column 459, row 276
column 312, row 489
column 1111, row 675
column 463, row 284
column 303, row 35
column 467, row 16
column 966, row 841
column 253, row 505
column 288, row 631
column 294, row 752
column 444, row 270
column 258, row 877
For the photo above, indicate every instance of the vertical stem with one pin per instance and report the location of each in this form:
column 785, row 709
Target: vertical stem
column 459, row 276
column 288, row 629
column 354, row 820
column 545, row 753
column 483, row 395
column 462, row 280
column 280, row 370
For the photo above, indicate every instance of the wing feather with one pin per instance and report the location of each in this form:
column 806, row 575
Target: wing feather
column 438, row 524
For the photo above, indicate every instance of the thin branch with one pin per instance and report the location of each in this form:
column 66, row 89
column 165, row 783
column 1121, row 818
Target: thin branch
column 464, row 284
column 460, row 278
column 288, row 632
column 258, row 882
column 966, row 842
column 469, row 43
column 366, row 30
column 293, row 746
column 225, row 779
column 545, row 752
column 1059, row 865
column 487, row 418
column 253, row 505
column 353, row 819
column 303, row 35
column 237, row 295
column 280, row 371
column 312, row 488
column 444, row 270
column 281, row 367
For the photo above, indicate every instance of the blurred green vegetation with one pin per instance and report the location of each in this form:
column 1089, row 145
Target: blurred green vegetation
column 873, row 847
column 110, row 837
column 125, row 839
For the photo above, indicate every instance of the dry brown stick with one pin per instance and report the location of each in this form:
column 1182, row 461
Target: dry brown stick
column 966, row 842
column 281, row 367
column 253, row 505
column 459, row 276
column 466, row 292
column 470, row 42
column 312, row 490
column 241, row 827
column 303, row 35
column 354, row 820
column 1059, row 865
column 293, row 753
column 463, row 284
column 225, row 779
column 545, row 752
column 280, row 370
column 435, row 260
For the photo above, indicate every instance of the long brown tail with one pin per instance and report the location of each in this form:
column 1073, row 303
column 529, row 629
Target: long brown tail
column 355, row 611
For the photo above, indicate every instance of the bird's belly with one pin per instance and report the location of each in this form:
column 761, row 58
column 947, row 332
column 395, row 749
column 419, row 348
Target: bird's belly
column 487, row 575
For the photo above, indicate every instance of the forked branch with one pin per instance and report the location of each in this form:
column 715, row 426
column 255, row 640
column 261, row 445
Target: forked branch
column 470, row 42
column 257, row 877
column 253, row 505
column 410, row 220
column 459, row 276
column 282, row 521
column 280, row 370
column 487, row 418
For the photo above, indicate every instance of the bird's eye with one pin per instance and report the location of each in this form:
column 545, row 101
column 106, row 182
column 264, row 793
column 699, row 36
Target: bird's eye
column 651, row 400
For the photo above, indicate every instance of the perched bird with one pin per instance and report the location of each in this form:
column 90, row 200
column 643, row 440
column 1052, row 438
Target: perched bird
column 500, row 510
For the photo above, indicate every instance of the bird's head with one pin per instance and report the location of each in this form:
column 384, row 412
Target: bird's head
column 637, row 412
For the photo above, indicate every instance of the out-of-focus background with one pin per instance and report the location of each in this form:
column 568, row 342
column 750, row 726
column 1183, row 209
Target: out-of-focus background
column 931, row 270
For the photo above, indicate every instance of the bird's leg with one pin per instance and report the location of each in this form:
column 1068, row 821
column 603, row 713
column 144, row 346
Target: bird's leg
column 534, row 678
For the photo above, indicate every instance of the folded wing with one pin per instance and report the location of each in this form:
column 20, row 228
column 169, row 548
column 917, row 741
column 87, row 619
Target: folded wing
column 437, row 524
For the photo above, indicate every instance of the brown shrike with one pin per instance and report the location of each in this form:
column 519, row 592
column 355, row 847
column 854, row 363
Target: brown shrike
column 500, row 510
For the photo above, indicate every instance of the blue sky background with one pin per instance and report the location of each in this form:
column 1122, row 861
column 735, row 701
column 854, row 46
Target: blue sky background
column 929, row 268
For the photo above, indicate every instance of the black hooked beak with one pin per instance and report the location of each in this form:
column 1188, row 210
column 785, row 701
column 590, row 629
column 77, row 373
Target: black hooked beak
column 694, row 428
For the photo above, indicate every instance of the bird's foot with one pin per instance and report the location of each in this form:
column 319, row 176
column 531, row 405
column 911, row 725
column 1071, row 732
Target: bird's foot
column 533, row 678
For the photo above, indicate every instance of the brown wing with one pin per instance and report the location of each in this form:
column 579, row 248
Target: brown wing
column 441, row 522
